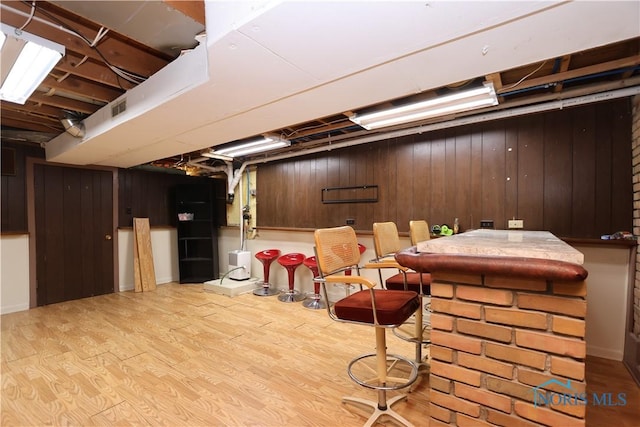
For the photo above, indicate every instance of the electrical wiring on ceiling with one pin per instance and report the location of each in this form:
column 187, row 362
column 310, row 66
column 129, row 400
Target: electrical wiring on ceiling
column 119, row 72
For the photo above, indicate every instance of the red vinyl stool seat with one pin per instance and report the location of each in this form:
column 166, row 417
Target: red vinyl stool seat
column 314, row 301
column 266, row 257
column 291, row 262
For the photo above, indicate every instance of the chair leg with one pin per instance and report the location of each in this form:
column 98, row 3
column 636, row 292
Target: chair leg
column 377, row 412
column 382, row 406
column 418, row 334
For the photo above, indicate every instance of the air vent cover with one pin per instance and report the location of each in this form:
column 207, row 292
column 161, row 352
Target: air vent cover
column 119, row 108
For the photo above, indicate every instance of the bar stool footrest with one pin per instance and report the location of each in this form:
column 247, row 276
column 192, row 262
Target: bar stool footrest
column 401, row 372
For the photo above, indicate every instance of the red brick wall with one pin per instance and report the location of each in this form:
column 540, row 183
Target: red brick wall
column 635, row 146
column 494, row 339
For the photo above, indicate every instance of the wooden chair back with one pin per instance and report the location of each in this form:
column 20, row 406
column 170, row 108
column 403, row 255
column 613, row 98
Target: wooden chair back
column 419, row 231
column 336, row 249
column 385, row 239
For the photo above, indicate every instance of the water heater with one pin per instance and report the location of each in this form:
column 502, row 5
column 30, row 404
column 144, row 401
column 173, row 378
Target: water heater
column 239, row 265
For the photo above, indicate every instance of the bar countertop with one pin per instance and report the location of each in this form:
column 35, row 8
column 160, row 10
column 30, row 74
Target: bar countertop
column 509, row 243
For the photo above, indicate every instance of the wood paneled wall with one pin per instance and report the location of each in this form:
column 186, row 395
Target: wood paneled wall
column 14, row 193
column 146, row 194
column 567, row 171
column 141, row 194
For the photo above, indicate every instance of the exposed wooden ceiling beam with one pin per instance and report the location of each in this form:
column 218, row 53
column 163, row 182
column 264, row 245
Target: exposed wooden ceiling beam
column 91, row 70
column 65, row 103
column 192, row 9
column 30, row 107
column 119, row 51
column 31, row 124
column 579, row 72
column 82, row 88
column 564, row 67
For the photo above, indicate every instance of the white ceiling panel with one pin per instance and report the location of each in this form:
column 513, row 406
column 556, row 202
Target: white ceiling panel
column 245, row 74
column 347, row 37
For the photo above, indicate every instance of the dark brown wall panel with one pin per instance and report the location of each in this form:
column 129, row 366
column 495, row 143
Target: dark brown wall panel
column 558, row 175
column 493, row 175
column 404, row 182
column 462, row 199
column 621, row 189
column 583, row 199
column 148, row 194
column 530, row 153
column 438, row 209
column 14, row 202
column 565, row 171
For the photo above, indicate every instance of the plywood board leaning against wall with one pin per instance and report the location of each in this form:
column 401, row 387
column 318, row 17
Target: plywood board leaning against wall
column 144, row 271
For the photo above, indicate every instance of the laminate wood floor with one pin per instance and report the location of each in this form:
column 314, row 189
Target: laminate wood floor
column 180, row 356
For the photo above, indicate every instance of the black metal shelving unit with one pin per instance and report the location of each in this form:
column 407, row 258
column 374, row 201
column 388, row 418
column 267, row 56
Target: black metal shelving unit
column 197, row 234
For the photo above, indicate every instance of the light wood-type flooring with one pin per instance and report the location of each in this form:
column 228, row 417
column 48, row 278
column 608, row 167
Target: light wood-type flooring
column 180, row 356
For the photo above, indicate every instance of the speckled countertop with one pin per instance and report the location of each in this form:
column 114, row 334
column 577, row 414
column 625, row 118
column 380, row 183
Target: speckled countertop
column 528, row 244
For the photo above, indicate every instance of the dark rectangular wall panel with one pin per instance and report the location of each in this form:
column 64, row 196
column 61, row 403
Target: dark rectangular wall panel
column 13, row 188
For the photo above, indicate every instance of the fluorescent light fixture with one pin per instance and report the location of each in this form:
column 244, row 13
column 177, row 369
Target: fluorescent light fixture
column 27, row 59
column 266, row 143
column 457, row 102
column 214, row 155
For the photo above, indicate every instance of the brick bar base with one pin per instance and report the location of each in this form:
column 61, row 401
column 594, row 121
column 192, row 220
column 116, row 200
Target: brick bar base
column 508, row 346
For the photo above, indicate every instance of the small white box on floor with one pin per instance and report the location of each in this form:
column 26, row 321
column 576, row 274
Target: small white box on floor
column 230, row 287
column 239, row 265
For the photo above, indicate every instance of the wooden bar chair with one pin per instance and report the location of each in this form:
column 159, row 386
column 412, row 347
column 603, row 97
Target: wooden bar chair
column 336, row 252
column 386, row 244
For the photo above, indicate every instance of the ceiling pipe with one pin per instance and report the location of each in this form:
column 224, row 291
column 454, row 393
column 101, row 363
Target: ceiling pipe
column 73, row 127
column 232, row 180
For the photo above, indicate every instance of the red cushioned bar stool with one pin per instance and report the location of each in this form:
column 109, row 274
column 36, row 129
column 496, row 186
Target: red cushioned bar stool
column 313, row 301
column 266, row 257
column 291, row 262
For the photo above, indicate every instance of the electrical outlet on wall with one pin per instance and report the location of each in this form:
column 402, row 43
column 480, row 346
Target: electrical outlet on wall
column 486, row 223
column 516, row 223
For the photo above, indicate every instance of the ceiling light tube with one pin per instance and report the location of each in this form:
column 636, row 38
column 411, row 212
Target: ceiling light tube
column 264, row 144
column 32, row 59
column 462, row 101
column 213, row 155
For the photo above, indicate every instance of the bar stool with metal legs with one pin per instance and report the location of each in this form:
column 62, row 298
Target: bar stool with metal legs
column 337, row 250
column 387, row 243
column 266, row 257
column 291, row 262
column 314, row 301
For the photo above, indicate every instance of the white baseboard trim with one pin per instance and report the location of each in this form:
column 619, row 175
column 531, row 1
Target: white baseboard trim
column 605, row 353
column 13, row 308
